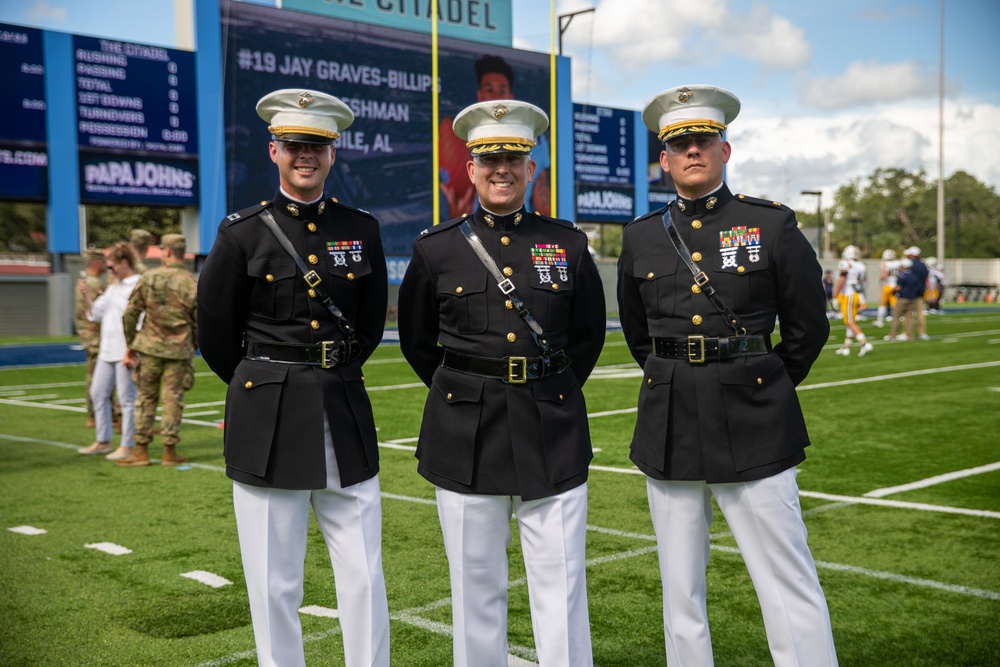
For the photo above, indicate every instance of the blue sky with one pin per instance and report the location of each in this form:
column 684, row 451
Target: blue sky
column 830, row 90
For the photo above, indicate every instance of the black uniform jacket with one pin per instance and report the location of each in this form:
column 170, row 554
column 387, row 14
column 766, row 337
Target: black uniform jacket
column 251, row 289
column 481, row 435
column 733, row 420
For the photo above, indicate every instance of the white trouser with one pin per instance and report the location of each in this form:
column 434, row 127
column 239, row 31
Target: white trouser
column 110, row 375
column 553, row 533
column 272, row 526
column 766, row 521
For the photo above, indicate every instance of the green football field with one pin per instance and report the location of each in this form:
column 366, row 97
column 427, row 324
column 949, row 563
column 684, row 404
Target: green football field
column 900, row 491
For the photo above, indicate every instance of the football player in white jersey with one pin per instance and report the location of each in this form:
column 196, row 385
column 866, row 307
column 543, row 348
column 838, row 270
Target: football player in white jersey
column 849, row 291
column 888, row 270
column 935, row 279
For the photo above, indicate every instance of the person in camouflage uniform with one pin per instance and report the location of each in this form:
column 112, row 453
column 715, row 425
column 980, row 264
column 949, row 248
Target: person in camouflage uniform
column 141, row 240
column 90, row 332
column 165, row 348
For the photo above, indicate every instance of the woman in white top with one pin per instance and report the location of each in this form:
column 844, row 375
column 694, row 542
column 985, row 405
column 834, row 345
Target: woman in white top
column 114, row 368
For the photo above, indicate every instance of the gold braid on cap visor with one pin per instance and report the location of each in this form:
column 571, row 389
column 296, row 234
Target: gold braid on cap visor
column 496, row 144
column 278, row 130
column 701, row 126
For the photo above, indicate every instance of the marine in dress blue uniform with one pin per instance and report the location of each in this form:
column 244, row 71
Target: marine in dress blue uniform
column 299, row 430
column 717, row 412
column 505, row 426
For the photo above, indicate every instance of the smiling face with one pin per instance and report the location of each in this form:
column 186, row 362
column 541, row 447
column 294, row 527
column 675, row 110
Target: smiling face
column 501, row 179
column 695, row 162
column 302, row 167
column 493, row 86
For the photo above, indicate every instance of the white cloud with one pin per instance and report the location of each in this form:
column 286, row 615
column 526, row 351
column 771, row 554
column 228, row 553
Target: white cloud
column 639, row 34
column 42, row 10
column 867, row 83
column 772, row 41
column 777, row 156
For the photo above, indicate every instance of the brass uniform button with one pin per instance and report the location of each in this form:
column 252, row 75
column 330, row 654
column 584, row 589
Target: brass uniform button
column 741, row 196
column 313, row 259
column 248, row 384
column 269, row 278
column 649, row 382
column 448, row 396
column 505, row 240
column 511, row 337
column 696, row 320
column 760, row 381
column 264, row 203
column 314, row 324
column 362, row 379
column 696, row 224
column 555, row 285
column 350, row 276
column 695, row 289
column 334, row 200
column 507, row 271
column 649, row 276
column 741, row 269
column 509, row 304
column 312, row 293
column 311, row 226
column 560, row 397
column 776, row 203
column 458, row 290
column 696, row 256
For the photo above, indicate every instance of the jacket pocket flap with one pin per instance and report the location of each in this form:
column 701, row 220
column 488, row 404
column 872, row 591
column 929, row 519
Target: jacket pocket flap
column 254, row 374
column 461, row 283
column 457, row 387
column 651, row 268
column 751, row 371
column 276, row 268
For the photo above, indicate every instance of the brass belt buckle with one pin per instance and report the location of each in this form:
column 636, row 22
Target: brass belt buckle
column 696, row 349
column 328, row 351
column 517, row 370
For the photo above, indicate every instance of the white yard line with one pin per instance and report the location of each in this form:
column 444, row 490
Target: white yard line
column 931, row 481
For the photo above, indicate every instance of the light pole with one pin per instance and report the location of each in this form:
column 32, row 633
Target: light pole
column 957, row 204
column 819, row 221
column 569, row 19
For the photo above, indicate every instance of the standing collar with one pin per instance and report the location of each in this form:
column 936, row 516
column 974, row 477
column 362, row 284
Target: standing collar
column 507, row 223
column 294, row 208
column 703, row 205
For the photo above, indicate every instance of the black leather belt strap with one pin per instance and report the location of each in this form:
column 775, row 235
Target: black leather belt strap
column 699, row 349
column 312, row 279
column 700, row 278
column 512, row 370
column 507, row 287
column 326, row 354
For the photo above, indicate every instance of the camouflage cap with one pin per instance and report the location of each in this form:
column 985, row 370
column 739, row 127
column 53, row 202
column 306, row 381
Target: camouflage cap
column 141, row 237
column 93, row 254
column 176, row 242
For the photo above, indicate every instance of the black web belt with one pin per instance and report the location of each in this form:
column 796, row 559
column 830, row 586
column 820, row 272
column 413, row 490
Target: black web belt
column 699, row 349
column 325, row 355
column 512, row 370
